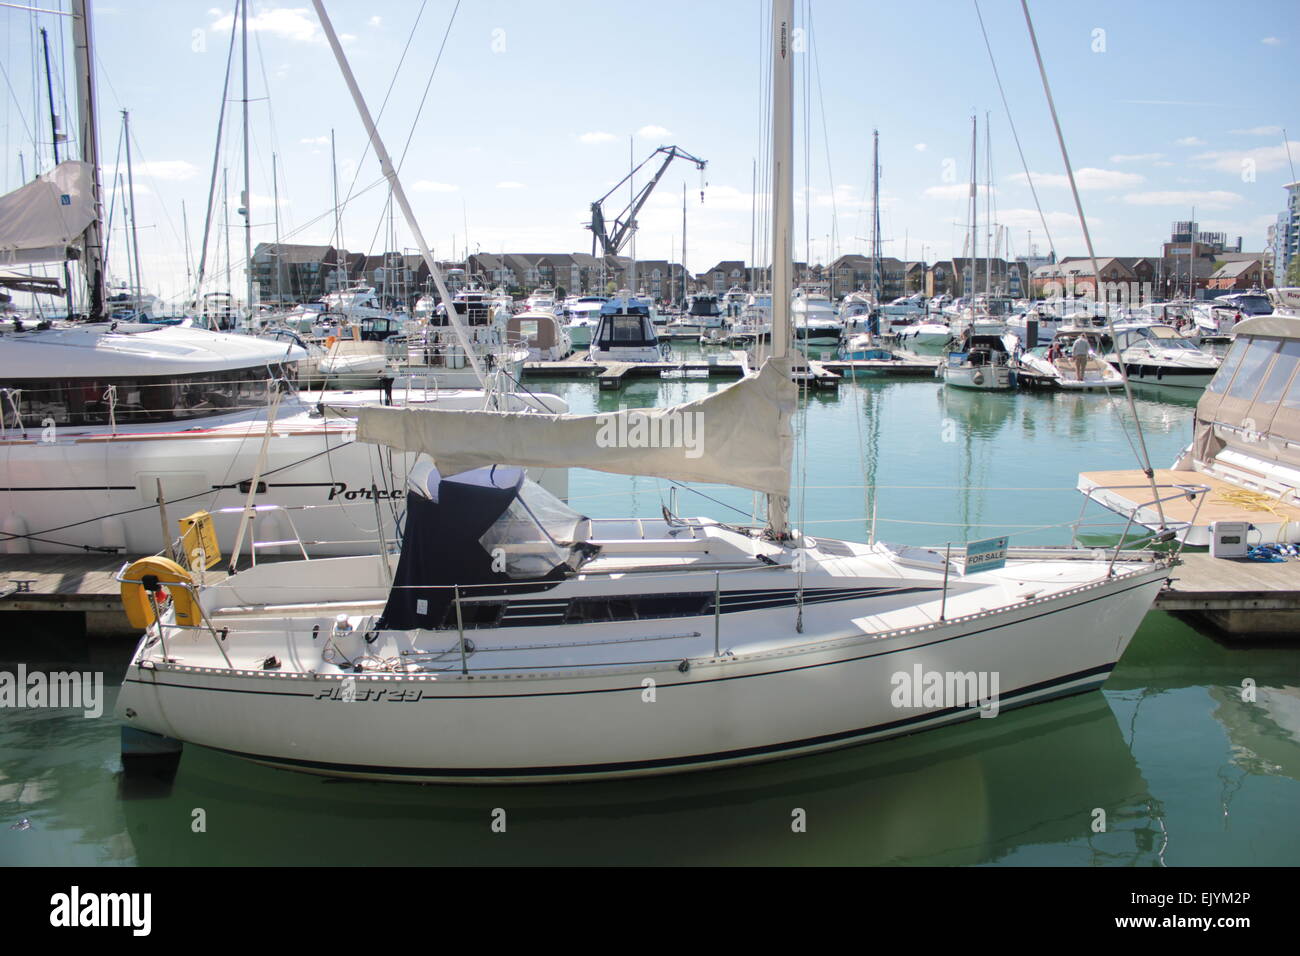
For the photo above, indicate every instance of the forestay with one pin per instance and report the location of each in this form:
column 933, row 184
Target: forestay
column 739, row 435
column 39, row 221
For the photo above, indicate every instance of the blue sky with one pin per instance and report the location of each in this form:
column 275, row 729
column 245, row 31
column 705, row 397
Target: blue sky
column 531, row 108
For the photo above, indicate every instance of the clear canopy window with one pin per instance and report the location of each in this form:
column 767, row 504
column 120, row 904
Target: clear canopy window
column 536, row 534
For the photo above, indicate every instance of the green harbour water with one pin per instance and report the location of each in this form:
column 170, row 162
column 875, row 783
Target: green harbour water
column 1181, row 770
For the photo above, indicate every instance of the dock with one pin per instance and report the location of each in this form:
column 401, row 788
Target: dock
column 823, row 373
column 70, row 584
column 1244, row 599
column 78, row 592
column 613, row 375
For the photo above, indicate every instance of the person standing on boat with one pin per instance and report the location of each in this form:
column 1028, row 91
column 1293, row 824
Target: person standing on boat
column 1080, row 352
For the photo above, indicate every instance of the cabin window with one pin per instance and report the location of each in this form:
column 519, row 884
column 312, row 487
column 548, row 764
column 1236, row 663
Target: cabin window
column 1221, row 381
column 1279, row 375
column 536, row 534
column 1252, row 367
column 625, row 328
column 85, row 401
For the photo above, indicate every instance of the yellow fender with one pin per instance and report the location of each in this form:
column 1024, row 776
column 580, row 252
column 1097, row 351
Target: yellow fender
column 136, row 600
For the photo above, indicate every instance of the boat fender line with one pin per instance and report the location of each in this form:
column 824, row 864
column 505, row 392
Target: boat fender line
column 142, row 586
column 683, row 667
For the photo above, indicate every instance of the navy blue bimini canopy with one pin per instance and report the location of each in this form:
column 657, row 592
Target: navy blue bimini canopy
column 441, row 547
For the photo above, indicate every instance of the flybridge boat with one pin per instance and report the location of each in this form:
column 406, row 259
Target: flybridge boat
column 980, row 359
column 625, row 332
column 702, row 312
column 430, row 350
column 1158, row 355
column 528, row 642
column 856, row 309
column 924, row 333
column 814, row 316
column 583, row 314
column 100, row 420
column 542, row 300
column 541, row 333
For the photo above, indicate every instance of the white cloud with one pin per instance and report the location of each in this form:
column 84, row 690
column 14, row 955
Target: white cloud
column 510, row 184
column 375, row 21
column 1086, row 178
column 1271, row 41
column 920, row 147
column 955, row 191
column 1258, row 131
column 1209, row 199
column 315, row 141
column 597, row 137
column 1190, row 141
column 429, row 186
column 1136, row 157
column 169, row 170
column 653, row 132
column 297, row 24
column 1265, row 158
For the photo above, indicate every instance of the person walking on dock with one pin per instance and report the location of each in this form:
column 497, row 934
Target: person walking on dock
column 1080, row 353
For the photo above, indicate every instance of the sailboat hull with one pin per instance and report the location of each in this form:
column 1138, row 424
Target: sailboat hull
column 738, row 708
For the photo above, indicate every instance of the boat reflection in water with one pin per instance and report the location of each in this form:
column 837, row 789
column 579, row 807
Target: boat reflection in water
column 968, row 794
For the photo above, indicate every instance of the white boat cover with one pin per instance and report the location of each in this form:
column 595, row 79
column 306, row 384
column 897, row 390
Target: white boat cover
column 739, row 436
column 40, row 220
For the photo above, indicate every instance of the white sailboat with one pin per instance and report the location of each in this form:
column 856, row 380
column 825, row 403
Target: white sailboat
column 522, row 641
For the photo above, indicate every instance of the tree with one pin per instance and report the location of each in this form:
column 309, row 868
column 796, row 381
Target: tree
column 1293, row 272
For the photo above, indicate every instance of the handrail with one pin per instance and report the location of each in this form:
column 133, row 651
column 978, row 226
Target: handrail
column 1168, row 529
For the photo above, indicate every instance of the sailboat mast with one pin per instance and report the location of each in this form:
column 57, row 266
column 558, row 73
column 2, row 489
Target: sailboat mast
column 54, row 140
column 686, row 286
column 988, row 207
column 876, row 290
column 225, row 222
column 130, row 189
column 782, row 215
column 93, row 237
column 974, row 212
column 275, row 199
column 753, row 227
column 390, row 173
column 247, row 204
column 782, row 175
column 338, row 217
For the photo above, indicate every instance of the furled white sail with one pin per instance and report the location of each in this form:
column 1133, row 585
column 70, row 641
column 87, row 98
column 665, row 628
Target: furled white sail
column 39, row 221
column 739, row 435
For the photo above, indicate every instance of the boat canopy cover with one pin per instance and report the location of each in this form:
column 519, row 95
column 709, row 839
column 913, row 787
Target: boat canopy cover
column 1252, row 405
column 739, row 436
column 489, row 531
column 39, row 221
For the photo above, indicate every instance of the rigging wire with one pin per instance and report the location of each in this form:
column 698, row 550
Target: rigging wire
column 1016, row 136
column 1144, row 457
